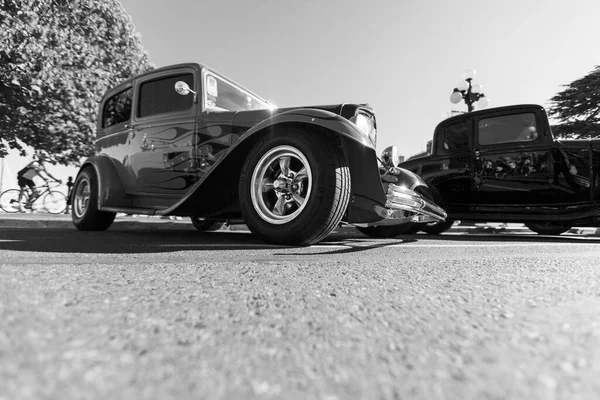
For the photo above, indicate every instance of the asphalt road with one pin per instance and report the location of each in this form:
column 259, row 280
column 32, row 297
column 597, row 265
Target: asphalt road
column 181, row 315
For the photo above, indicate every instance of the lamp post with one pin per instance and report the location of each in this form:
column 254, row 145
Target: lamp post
column 469, row 92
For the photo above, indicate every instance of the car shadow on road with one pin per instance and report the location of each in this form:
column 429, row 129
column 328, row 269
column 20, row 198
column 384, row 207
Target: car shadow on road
column 125, row 242
column 149, row 241
column 163, row 241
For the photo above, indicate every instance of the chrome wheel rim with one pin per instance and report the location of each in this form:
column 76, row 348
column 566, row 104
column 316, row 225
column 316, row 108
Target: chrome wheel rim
column 281, row 185
column 81, row 198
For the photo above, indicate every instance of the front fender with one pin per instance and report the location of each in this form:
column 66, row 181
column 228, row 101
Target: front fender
column 316, row 118
column 219, row 186
column 408, row 179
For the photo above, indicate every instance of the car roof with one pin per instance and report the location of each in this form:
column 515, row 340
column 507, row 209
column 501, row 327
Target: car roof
column 514, row 107
column 194, row 65
column 129, row 82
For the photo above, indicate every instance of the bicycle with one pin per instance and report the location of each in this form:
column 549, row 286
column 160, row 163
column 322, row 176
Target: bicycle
column 51, row 201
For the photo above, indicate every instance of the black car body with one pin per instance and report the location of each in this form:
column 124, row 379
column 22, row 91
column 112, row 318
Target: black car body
column 184, row 140
column 504, row 165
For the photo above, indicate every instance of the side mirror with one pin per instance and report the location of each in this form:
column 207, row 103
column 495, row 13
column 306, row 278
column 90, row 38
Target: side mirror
column 389, row 157
column 182, row 88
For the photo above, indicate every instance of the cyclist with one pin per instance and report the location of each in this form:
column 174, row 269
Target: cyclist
column 25, row 178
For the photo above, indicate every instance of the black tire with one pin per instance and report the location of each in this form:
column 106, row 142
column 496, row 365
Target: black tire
column 304, row 207
column 203, row 224
column 54, row 202
column 435, row 228
column 85, row 213
column 9, row 200
column 547, row 228
column 413, row 229
column 382, row 232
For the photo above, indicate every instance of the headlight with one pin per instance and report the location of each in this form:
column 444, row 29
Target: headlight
column 366, row 123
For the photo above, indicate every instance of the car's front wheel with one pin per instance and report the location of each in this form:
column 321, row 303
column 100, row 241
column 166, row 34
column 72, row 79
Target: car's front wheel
column 294, row 187
column 85, row 213
column 547, row 228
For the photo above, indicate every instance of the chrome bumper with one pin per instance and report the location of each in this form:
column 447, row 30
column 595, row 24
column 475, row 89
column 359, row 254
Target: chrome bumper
column 406, row 205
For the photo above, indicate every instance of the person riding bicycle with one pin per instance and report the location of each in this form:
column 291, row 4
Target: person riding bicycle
column 25, row 178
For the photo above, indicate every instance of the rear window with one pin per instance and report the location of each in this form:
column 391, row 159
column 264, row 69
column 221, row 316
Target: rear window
column 159, row 96
column 117, row 109
column 455, row 138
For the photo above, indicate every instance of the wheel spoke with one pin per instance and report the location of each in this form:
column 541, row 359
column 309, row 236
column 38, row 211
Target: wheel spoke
column 284, row 165
column 301, row 175
column 299, row 200
column 279, row 208
column 267, row 185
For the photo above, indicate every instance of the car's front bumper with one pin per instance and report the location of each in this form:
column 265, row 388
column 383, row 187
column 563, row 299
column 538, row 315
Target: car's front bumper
column 402, row 200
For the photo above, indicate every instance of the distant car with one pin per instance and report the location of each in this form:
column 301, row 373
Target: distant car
column 504, row 165
column 184, row 140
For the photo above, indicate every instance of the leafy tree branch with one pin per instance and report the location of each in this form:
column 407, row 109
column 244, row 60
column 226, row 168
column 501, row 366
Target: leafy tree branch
column 57, row 59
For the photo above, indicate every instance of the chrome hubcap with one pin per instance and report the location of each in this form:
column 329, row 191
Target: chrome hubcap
column 281, row 185
column 81, row 198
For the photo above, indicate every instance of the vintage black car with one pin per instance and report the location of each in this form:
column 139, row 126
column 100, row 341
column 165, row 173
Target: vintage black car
column 504, row 165
column 184, row 140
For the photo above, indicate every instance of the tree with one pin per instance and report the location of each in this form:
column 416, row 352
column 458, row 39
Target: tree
column 57, row 59
column 577, row 108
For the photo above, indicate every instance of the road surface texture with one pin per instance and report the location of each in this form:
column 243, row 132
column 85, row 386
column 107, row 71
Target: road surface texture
column 177, row 314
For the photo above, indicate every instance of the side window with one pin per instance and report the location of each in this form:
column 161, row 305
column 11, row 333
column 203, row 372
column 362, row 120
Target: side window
column 117, row 109
column 508, row 129
column 159, row 96
column 455, row 138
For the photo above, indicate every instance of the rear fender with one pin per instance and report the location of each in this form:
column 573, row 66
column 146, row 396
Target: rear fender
column 111, row 192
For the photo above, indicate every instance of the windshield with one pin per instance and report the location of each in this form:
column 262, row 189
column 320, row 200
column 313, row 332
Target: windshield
column 223, row 95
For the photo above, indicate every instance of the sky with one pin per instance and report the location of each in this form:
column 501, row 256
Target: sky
column 401, row 57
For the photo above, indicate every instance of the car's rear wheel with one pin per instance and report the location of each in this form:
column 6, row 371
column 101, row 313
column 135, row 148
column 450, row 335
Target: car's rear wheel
column 85, row 213
column 547, row 228
column 294, row 187
column 385, row 231
column 202, row 224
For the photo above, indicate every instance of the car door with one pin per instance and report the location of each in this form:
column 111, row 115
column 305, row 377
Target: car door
column 450, row 171
column 162, row 144
column 114, row 128
column 512, row 156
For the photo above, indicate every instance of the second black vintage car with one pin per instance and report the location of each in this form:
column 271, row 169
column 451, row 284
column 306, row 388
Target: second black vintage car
column 184, row 140
column 504, row 165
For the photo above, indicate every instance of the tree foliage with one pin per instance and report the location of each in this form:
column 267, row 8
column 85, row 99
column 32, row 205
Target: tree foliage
column 57, row 58
column 577, row 108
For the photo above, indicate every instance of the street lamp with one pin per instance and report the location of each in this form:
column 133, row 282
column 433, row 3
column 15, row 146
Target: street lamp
column 470, row 93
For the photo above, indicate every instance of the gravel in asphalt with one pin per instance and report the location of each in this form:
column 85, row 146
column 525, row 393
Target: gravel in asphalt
column 420, row 318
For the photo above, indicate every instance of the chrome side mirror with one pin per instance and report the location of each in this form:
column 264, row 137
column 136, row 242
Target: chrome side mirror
column 182, row 88
column 389, row 156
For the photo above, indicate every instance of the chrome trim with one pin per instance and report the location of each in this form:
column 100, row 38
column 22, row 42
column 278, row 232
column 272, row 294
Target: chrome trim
column 402, row 198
